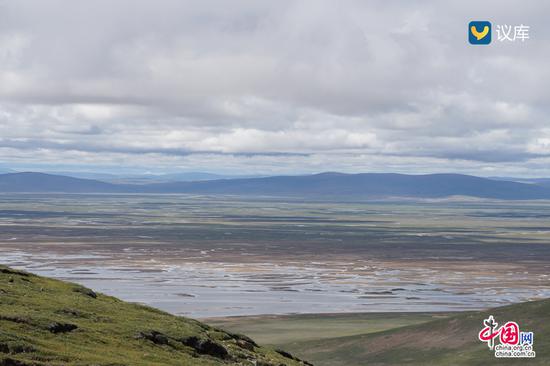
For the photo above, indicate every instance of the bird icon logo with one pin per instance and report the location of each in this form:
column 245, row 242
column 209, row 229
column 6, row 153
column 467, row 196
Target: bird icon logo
column 479, row 32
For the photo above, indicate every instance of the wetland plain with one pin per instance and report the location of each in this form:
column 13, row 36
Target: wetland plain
column 206, row 256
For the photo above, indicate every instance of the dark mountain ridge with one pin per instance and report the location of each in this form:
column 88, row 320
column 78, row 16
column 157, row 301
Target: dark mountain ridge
column 323, row 185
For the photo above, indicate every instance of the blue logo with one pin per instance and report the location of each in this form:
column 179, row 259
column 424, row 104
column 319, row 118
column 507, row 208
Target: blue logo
column 479, row 32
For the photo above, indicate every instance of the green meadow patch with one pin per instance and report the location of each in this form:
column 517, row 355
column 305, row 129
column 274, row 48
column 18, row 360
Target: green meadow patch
column 50, row 322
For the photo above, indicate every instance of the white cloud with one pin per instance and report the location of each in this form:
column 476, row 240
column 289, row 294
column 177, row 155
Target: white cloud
column 285, row 86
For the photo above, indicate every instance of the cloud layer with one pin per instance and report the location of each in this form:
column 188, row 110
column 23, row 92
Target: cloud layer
column 272, row 87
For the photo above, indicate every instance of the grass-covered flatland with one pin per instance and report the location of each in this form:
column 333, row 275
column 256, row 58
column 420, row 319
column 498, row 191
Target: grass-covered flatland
column 288, row 329
column 50, row 322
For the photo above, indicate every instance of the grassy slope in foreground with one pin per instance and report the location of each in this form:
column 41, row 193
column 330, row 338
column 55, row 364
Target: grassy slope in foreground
column 450, row 341
column 50, row 322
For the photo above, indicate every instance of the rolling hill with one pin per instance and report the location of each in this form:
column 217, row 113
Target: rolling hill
column 46, row 322
column 448, row 341
column 543, row 182
column 146, row 178
column 324, row 185
column 40, row 182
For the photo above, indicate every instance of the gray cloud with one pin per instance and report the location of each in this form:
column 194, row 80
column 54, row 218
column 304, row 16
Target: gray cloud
column 285, row 86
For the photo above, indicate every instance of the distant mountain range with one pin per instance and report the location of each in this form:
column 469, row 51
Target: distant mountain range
column 324, row 185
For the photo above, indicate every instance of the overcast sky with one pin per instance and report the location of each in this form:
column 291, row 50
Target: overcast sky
column 265, row 87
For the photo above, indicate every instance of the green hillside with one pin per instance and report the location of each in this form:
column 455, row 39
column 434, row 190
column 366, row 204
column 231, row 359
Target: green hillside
column 50, row 322
column 449, row 341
